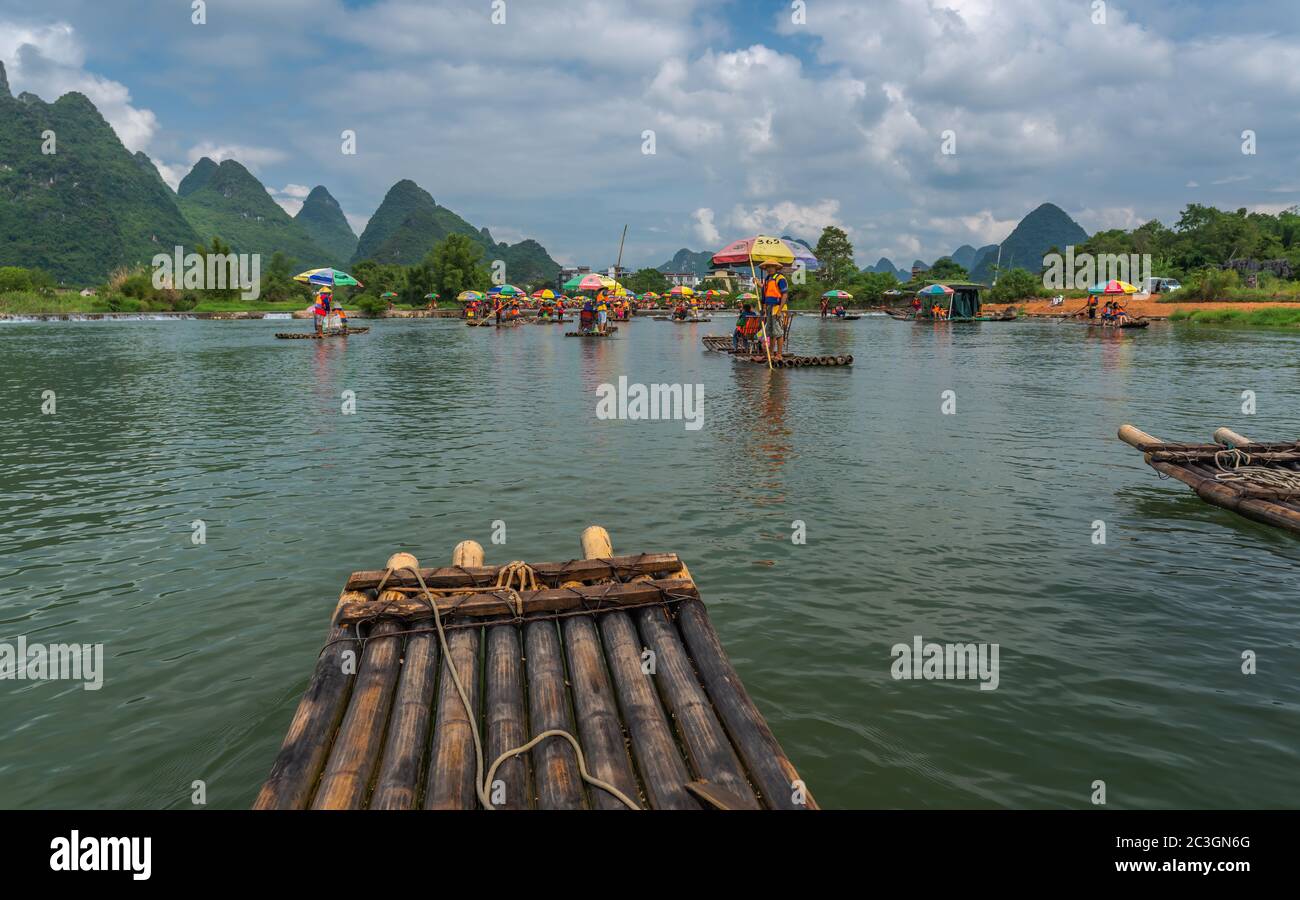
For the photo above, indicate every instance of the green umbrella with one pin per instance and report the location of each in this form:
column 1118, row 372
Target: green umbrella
column 388, row 295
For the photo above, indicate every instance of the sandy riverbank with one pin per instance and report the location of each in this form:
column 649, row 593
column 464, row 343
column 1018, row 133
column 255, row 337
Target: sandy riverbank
column 1137, row 305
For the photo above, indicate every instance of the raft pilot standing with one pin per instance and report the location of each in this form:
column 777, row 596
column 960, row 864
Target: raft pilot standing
column 775, row 292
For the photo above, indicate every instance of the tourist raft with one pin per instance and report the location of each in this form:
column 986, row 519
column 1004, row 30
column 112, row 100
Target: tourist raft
column 722, row 344
column 318, row 335
column 1260, row 481
column 614, row 656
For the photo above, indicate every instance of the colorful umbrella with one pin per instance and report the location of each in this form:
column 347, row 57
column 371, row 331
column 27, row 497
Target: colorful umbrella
column 505, row 290
column 649, row 295
column 747, row 296
column 594, row 282
column 1113, row 287
column 388, row 295
column 433, row 295
column 757, row 249
column 682, row 291
column 544, row 294
column 764, row 248
column 837, row 295
column 328, row 276
column 936, row 290
column 469, row 296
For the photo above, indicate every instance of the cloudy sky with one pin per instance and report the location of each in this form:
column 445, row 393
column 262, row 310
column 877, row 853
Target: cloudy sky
column 775, row 116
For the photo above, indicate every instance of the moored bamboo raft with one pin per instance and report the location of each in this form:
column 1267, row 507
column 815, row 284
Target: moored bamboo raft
column 1260, row 481
column 313, row 336
column 609, row 330
column 616, row 653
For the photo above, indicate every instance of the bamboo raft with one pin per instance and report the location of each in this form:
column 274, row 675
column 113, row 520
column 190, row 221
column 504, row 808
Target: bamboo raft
column 1260, row 481
column 313, row 336
column 616, row 651
column 1131, row 323
column 609, row 330
column 722, row 344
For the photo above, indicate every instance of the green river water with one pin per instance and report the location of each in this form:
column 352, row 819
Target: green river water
column 1118, row 662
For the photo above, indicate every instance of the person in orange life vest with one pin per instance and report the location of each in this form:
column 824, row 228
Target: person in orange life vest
column 773, row 294
column 916, row 306
column 320, row 309
column 1092, row 307
column 343, row 317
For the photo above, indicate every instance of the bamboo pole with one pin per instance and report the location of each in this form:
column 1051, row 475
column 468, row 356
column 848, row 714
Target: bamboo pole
column 399, row 780
column 708, row 750
column 506, row 725
column 306, row 745
column 769, row 767
column 653, row 746
column 346, row 779
column 451, row 757
column 1230, row 438
column 555, row 765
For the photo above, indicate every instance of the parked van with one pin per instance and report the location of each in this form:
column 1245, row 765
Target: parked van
column 1161, row 285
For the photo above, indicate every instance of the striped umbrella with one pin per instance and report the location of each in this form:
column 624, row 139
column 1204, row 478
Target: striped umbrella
column 936, row 290
column 837, row 295
column 544, row 294
column 1113, row 287
column 332, row 277
column 469, row 296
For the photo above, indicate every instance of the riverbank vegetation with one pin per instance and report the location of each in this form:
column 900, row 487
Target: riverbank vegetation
column 1269, row 317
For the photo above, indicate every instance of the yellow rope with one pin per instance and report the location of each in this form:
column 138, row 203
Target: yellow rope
column 506, row 578
column 1235, row 468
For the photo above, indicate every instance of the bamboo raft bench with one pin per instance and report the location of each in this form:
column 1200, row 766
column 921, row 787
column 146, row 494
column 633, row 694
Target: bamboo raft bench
column 722, row 344
column 1260, row 481
column 570, row 652
column 313, row 336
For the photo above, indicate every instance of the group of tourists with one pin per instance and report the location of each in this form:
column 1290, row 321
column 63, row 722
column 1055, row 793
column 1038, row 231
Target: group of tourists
column 326, row 315
column 1112, row 312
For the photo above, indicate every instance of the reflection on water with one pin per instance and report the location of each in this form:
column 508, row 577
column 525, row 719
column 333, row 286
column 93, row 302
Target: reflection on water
column 1118, row 661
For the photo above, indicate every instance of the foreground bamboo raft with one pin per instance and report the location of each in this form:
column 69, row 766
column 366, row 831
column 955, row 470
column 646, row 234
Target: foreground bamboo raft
column 617, row 651
column 1260, row 481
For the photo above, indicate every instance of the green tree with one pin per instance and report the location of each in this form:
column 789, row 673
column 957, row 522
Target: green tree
column 457, row 264
column 945, row 269
column 868, row 288
column 1016, row 284
column 835, row 253
column 648, row 280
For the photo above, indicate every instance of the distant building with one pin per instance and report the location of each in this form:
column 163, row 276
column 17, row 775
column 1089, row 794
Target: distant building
column 918, row 272
column 568, row 272
column 87, row 292
column 683, row 279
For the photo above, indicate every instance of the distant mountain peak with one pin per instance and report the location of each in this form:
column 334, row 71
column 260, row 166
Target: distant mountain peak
column 1047, row 226
column 198, row 176
column 685, row 260
column 326, row 224
column 4, row 81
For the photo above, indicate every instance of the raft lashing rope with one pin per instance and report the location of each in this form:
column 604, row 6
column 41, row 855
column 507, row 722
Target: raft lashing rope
column 1234, row 465
column 520, row 571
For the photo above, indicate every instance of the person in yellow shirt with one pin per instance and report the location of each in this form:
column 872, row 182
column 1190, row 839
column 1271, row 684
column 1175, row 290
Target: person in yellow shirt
column 602, row 310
